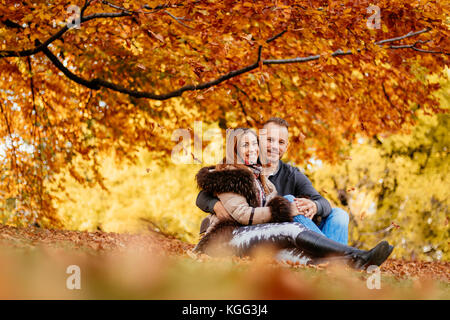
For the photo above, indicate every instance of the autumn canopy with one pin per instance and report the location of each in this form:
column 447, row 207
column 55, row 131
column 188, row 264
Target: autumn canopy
column 79, row 78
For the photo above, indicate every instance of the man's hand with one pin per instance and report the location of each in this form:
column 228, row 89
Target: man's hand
column 220, row 211
column 294, row 211
column 306, row 207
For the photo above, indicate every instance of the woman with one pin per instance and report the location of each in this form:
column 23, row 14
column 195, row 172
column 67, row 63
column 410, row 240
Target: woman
column 257, row 215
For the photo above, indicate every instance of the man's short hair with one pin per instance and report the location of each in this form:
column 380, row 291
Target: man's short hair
column 279, row 121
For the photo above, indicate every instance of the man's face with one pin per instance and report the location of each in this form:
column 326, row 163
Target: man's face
column 275, row 141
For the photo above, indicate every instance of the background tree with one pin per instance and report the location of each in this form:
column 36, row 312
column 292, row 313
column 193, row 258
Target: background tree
column 133, row 71
column 396, row 187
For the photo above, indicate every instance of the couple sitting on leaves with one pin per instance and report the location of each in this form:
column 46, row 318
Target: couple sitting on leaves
column 246, row 209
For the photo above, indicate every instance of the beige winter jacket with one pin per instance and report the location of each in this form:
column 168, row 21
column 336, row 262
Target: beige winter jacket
column 237, row 206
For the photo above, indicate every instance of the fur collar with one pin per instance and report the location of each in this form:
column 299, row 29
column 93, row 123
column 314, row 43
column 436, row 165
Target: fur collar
column 229, row 178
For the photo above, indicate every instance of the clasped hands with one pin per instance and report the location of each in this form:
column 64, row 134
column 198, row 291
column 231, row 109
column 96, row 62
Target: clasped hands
column 305, row 207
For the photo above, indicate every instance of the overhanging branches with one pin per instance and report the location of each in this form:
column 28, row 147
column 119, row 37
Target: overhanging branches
column 98, row 83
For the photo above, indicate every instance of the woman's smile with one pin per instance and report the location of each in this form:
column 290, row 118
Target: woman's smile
column 249, row 148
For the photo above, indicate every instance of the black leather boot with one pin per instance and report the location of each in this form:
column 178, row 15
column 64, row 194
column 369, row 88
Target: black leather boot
column 318, row 246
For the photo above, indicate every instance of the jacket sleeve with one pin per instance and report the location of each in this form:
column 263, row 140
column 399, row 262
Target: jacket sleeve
column 304, row 189
column 238, row 207
column 206, row 202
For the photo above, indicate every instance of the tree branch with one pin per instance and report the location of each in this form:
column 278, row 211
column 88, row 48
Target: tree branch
column 414, row 47
column 337, row 53
column 14, row 157
column 39, row 48
column 275, row 37
column 124, row 13
column 382, row 231
column 178, row 19
column 145, row 6
column 97, row 83
column 387, row 97
column 91, row 84
column 408, row 35
column 12, row 24
column 86, row 4
column 33, row 99
column 241, row 104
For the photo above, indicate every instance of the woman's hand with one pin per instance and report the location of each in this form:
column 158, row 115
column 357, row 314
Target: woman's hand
column 220, row 211
column 306, row 207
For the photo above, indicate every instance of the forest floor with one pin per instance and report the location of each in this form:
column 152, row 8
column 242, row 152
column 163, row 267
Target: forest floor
column 34, row 261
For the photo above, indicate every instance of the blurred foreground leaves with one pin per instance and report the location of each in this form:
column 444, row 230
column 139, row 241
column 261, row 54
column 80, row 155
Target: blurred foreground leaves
column 33, row 264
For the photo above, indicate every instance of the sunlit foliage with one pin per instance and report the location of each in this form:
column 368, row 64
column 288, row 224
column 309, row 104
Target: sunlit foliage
column 397, row 187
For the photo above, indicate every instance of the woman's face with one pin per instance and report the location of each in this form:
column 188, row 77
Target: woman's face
column 248, row 148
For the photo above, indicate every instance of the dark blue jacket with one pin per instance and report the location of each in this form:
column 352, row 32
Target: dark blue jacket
column 287, row 180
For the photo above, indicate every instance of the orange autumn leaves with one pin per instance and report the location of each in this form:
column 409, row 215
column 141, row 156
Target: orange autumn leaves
column 71, row 94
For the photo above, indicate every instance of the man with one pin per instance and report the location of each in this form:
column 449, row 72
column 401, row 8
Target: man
column 288, row 180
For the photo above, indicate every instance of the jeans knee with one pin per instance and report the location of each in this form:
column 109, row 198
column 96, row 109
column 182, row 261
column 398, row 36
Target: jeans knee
column 340, row 216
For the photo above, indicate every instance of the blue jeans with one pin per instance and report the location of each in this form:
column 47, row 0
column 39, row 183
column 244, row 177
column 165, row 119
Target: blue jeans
column 334, row 226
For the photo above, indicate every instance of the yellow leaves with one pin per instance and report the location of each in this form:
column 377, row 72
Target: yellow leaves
column 122, row 208
column 204, row 12
column 402, row 178
column 157, row 36
column 237, row 7
column 333, row 61
column 29, row 18
column 357, row 75
column 228, row 37
column 347, row 11
column 247, row 37
column 21, row 64
column 93, row 30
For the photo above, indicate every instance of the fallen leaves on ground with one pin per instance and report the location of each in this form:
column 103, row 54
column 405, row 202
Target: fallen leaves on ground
column 155, row 266
column 98, row 241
